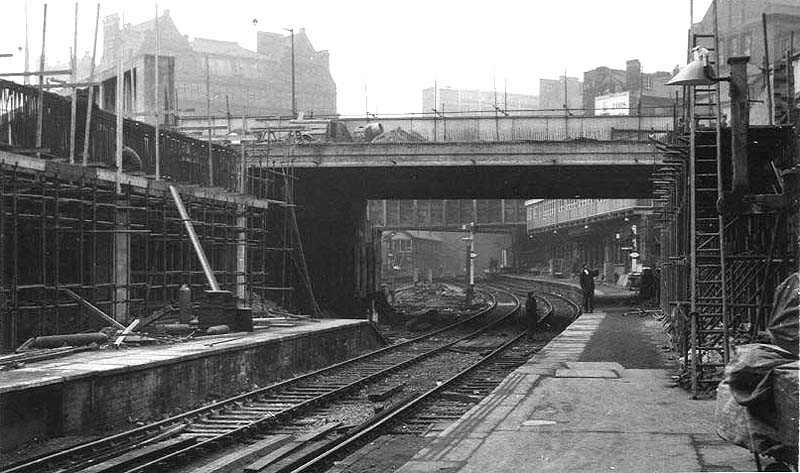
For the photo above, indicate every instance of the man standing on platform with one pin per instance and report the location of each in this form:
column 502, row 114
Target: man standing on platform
column 587, row 287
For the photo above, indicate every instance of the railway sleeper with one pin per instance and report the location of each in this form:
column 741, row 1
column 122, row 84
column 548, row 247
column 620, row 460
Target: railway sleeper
column 231, row 422
column 142, row 455
column 292, row 446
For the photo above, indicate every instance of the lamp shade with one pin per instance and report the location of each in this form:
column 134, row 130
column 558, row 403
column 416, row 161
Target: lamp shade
column 695, row 73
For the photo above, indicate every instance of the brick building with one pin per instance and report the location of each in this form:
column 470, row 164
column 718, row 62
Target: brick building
column 647, row 91
column 258, row 81
column 741, row 33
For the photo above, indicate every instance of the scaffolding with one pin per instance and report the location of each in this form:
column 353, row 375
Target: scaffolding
column 116, row 238
column 725, row 220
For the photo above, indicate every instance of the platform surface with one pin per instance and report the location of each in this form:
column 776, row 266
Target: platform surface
column 558, row 413
column 112, row 361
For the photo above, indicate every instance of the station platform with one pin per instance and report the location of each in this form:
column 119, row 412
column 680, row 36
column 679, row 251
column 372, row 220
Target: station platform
column 598, row 397
column 101, row 390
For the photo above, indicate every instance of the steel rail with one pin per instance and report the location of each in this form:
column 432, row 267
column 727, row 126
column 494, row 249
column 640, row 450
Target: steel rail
column 372, row 428
column 118, row 442
column 520, row 285
column 260, row 423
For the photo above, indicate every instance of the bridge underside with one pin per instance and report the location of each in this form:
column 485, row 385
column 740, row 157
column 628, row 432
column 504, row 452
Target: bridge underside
column 482, row 170
column 481, row 182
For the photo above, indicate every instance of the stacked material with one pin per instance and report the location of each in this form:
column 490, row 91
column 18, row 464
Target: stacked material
column 757, row 402
column 399, row 135
column 218, row 308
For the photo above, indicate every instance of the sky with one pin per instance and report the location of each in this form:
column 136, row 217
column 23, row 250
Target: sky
column 382, row 54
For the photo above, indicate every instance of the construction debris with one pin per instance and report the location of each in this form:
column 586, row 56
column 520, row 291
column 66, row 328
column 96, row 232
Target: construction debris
column 92, row 309
column 72, row 340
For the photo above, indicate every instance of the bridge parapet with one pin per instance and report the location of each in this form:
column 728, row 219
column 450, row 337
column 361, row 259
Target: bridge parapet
column 466, row 128
column 544, row 125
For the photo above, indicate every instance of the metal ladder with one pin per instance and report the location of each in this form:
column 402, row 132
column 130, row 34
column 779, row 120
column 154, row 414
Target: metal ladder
column 710, row 349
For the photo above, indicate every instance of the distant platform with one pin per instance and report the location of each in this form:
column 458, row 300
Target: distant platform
column 108, row 389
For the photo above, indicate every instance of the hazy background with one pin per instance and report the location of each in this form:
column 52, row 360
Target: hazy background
column 390, row 51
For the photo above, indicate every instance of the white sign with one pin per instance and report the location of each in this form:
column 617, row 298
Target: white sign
column 613, row 104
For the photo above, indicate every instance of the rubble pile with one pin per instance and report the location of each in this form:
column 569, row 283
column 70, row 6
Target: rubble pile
column 399, row 135
column 425, row 306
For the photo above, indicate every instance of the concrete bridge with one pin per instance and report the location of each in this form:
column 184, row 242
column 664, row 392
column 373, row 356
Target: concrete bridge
column 466, row 170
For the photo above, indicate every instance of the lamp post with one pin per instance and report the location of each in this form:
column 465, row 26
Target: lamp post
column 294, row 97
column 390, row 254
column 470, row 261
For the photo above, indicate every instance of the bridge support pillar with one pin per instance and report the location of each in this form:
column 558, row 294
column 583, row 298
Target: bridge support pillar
column 339, row 248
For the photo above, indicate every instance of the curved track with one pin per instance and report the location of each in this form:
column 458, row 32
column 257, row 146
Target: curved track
column 454, row 397
column 176, row 440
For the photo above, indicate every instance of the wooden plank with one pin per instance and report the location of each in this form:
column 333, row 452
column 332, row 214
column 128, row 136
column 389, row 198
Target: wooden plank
column 93, row 309
column 57, row 72
column 125, row 332
column 142, row 454
column 305, row 453
column 462, row 397
column 243, row 455
column 292, row 446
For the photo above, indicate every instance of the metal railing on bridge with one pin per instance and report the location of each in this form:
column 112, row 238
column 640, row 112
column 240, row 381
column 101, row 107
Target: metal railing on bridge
column 182, row 159
column 520, row 125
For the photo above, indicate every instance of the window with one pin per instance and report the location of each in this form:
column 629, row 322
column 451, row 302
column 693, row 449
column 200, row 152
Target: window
column 722, row 43
column 733, row 46
column 747, row 39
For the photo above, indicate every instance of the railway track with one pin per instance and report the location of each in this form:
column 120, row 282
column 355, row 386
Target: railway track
column 559, row 310
column 440, row 406
column 260, row 415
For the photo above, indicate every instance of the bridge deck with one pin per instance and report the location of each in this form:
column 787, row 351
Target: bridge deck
column 525, row 153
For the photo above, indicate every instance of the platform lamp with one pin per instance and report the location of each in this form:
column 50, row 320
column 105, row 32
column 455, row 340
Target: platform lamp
column 698, row 72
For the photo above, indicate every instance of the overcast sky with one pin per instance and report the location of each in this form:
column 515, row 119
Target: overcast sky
column 395, row 49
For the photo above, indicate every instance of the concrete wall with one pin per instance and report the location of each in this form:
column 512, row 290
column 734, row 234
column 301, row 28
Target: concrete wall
column 98, row 403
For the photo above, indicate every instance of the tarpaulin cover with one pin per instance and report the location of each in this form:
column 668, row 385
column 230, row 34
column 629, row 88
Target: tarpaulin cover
column 782, row 325
column 746, row 401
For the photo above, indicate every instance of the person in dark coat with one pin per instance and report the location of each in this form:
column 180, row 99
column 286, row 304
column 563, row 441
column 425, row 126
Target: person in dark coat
column 586, row 279
column 531, row 314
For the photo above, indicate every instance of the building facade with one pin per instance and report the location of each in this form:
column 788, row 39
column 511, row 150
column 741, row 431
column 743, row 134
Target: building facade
column 741, row 26
column 448, row 99
column 235, row 79
column 552, row 94
column 647, row 92
column 613, row 236
column 412, row 254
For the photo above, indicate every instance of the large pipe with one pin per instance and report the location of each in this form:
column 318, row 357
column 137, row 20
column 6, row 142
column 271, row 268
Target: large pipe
column 73, row 339
column 740, row 121
column 198, row 248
